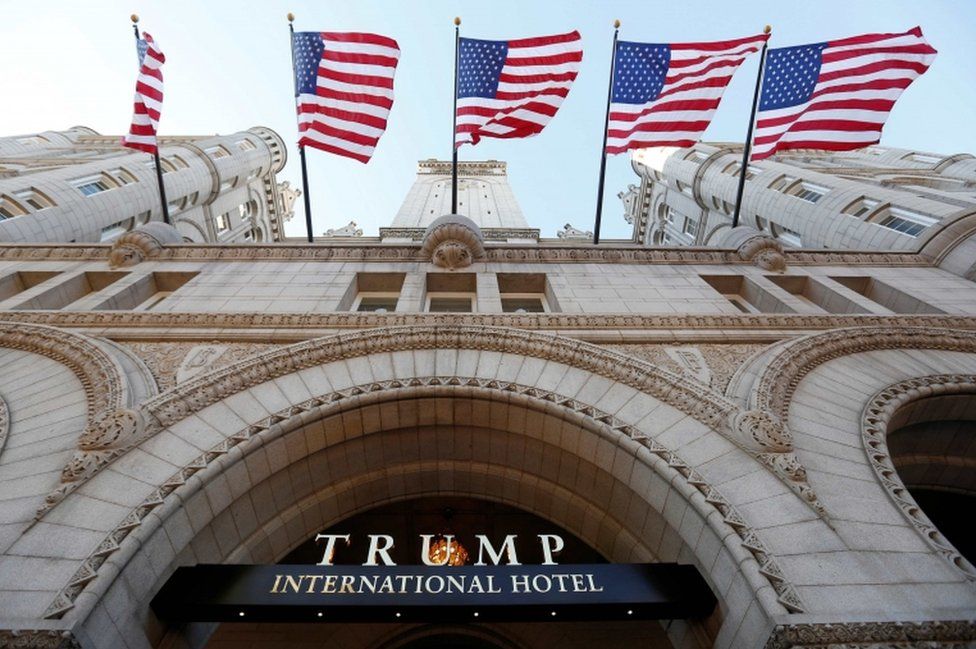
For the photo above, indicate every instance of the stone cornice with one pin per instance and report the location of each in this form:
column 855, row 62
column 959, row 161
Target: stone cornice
column 135, row 320
column 937, row 634
column 494, row 253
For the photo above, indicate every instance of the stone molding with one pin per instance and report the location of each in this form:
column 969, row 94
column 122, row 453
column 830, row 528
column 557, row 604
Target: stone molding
column 4, row 423
column 937, row 634
column 774, row 389
column 532, row 321
column 38, row 639
column 100, row 375
column 875, row 420
column 357, row 396
column 363, row 251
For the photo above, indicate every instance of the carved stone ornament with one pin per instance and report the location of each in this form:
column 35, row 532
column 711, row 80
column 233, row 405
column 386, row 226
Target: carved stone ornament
column 105, row 439
column 754, row 246
column 145, row 242
column 453, row 241
column 936, row 634
column 349, row 230
column 875, row 421
column 323, row 405
column 38, row 639
column 569, row 233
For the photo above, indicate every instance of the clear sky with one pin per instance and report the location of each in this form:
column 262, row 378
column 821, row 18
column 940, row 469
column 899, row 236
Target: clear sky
column 228, row 67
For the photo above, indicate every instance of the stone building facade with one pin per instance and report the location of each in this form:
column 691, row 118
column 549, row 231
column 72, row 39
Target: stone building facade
column 770, row 416
column 77, row 186
column 878, row 198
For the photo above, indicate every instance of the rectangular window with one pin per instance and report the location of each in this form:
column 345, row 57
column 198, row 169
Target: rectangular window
column 736, row 167
column 782, row 183
column 450, row 303
column 71, row 290
column 217, row 152
column 179, row 163
column 886, row 295
column 524, row 304
column 690, row 227
column 222, row 222
column 862, row 207
column 746, row 295
column 9, row 208
column 110, row 232
column 91, row 185
column 35, row 198
column 789, row 237
column 124, row 176
column 697, row 156
column 14, row 283
column 377, row 302
column 906, row 222
column 147, row 292
column 808, row 191
column 166, row 165
column 245, row 145
column 376, row 292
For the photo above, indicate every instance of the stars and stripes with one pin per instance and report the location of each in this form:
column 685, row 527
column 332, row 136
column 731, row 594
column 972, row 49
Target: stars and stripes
column 667, row 94
column 835, row 95
column 344, row 90
column 149, row 97
column 511, row 89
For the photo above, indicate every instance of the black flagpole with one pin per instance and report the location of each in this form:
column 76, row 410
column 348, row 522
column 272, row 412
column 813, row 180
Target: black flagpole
column 454, row 149
column 301, row 147
column 159, row 166
column 603, row 149
column 747, row 148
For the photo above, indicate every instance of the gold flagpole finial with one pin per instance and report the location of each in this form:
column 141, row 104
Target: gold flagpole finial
column 457, row 21
column 767, row 29
column 134, row 18
column 616, row 24
column 291, row 17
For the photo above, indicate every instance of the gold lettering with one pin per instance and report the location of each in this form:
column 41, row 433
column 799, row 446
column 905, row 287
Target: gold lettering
column 330, row 584
column 593, row 588
column 274, row 588
column 346, row 586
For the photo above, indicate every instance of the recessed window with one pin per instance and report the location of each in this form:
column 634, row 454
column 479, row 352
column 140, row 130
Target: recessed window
column 524, row 304
column 734, row 169
column 124, row 176
column 180, row 163
column 33, row 139
column 450, row 303
column 807, row 191
column 690, row 227
column 377, row 302
column 696, row 156
column 91, row 185
column 35, row 198
column 862, row 207
column 923, row 158
column 228, row 184
column 786, row 235
column 245, row 145
column 217, row 152
column 222, row 222
column 164, row 163
column 112, row 231
column 904, row 221
column 782, row 183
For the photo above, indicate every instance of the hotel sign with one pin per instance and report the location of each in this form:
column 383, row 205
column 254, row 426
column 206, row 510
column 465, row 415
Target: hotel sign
column 380, row 591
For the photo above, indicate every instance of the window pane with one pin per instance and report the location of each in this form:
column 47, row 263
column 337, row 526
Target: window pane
column 450, row 305
column 522, row 305
column 377, row 304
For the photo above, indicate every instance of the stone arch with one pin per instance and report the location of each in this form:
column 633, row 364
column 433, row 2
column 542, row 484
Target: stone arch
column 895, row 402
column 192, row 230
column 209, row 425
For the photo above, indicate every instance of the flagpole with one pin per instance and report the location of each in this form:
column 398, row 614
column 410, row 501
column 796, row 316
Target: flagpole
column 159, row 166
column 301, row 147
column 454, row 148
column 606, row 129
column 747, row 148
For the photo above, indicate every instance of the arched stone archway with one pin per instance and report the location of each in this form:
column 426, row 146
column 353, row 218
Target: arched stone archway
column 201, row 436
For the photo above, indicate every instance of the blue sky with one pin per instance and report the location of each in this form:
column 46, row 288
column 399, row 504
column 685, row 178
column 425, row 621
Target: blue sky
column 228, row 67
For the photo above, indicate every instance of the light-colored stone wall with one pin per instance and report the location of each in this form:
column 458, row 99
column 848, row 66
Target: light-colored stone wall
column 238, row 180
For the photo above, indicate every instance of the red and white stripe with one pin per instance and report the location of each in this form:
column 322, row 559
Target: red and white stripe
column 860, row 79
column 697, row 76
column 349, row 111
column 148, row 100
column 534, row 81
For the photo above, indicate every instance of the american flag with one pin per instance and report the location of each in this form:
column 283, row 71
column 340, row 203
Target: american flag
column 511, row 89
column 344, row 89
column 666, row 94
column 835, row 95
column 149, row 97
